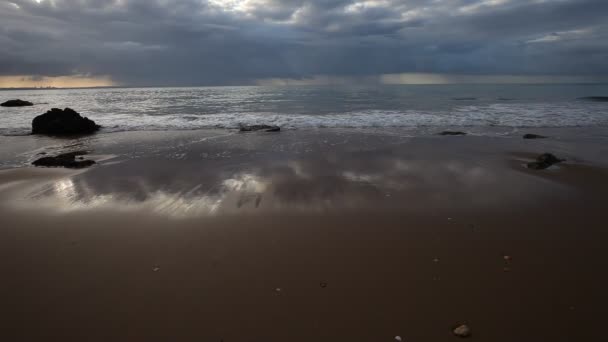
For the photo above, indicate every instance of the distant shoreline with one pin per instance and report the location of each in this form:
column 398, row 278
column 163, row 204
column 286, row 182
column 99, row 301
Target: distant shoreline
column 316, row 85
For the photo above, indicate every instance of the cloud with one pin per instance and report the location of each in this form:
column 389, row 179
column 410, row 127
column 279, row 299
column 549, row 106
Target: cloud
column 203, row 42
column 560, row 36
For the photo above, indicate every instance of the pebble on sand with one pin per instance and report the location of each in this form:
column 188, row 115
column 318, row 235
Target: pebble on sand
column 462, row 331
column 398, row 338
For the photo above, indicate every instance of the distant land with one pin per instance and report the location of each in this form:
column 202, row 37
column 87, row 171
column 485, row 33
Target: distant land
column 52, row 88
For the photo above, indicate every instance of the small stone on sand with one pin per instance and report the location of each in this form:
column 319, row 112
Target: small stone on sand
column 155, row 269
column 462, row 331
column 398, row 338
column 323, row 285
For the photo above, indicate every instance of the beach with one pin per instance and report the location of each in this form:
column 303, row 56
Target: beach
column 305, row 235
column 303, row 171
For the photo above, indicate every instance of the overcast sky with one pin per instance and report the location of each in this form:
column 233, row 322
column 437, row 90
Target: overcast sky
column 208, row 42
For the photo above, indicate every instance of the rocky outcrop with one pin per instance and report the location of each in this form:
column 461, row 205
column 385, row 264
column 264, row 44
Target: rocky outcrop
column 533, row 136
column 67, row 160
column 16, row 103
column 63, row 122
column 263, row 128
column 544, row 161
column 452, row 133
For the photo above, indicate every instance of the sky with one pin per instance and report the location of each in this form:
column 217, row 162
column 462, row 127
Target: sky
column 238, row 42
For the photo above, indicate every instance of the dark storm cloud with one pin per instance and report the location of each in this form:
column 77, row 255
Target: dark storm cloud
column 196, row 42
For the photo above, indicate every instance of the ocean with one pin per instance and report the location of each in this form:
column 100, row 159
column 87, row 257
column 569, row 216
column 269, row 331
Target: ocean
column 417, row 107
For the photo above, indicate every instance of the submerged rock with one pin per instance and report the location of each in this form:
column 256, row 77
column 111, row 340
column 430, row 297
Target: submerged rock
column 63, row 122
column 452, row 133
column 595, row 98
column 67, row 160
column 16, row 103
column 263, row 128
column 462, row 331
column 534, row 136
column 544, row 161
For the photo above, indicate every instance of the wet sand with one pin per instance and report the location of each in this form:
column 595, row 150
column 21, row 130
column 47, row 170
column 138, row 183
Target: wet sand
column 305, row 236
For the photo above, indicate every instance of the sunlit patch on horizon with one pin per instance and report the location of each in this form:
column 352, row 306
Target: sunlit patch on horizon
column 314, row 80
column 413, row 78
column 77, row 81
column 421, row 78
column 427, row 78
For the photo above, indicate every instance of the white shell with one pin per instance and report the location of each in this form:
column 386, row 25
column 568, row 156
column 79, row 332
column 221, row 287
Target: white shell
column 462, row 331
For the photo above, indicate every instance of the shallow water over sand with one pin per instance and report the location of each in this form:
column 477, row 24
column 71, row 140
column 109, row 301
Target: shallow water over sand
column 212, row 173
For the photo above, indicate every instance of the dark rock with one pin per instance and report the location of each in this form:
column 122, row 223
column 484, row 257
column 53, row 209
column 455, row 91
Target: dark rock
column 63, row 122
column 533, row 136
column 595, row 98
column 67, row 160
column 16, row 103
column 544, row 161
column 263, row 128
column 452, row 133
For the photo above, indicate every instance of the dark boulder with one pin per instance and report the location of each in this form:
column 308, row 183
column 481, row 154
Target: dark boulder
column 544, row 161
column 67, row 160
column 16, row 103
column 452, row 133
column 595, row 98
column 63, row 122
column 263, row 128
column 533, row 136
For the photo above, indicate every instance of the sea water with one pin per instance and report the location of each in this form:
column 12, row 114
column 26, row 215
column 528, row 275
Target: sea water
column 318, row 107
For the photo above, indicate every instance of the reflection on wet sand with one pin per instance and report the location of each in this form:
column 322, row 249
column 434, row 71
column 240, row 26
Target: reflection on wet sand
column 378, row 181
column 368, row 237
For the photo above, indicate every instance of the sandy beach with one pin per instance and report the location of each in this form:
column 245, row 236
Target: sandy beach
column 303, row 171
column 304, row 235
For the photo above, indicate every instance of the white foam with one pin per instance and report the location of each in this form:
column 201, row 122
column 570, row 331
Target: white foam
column 515, row 115
column 500, row 115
